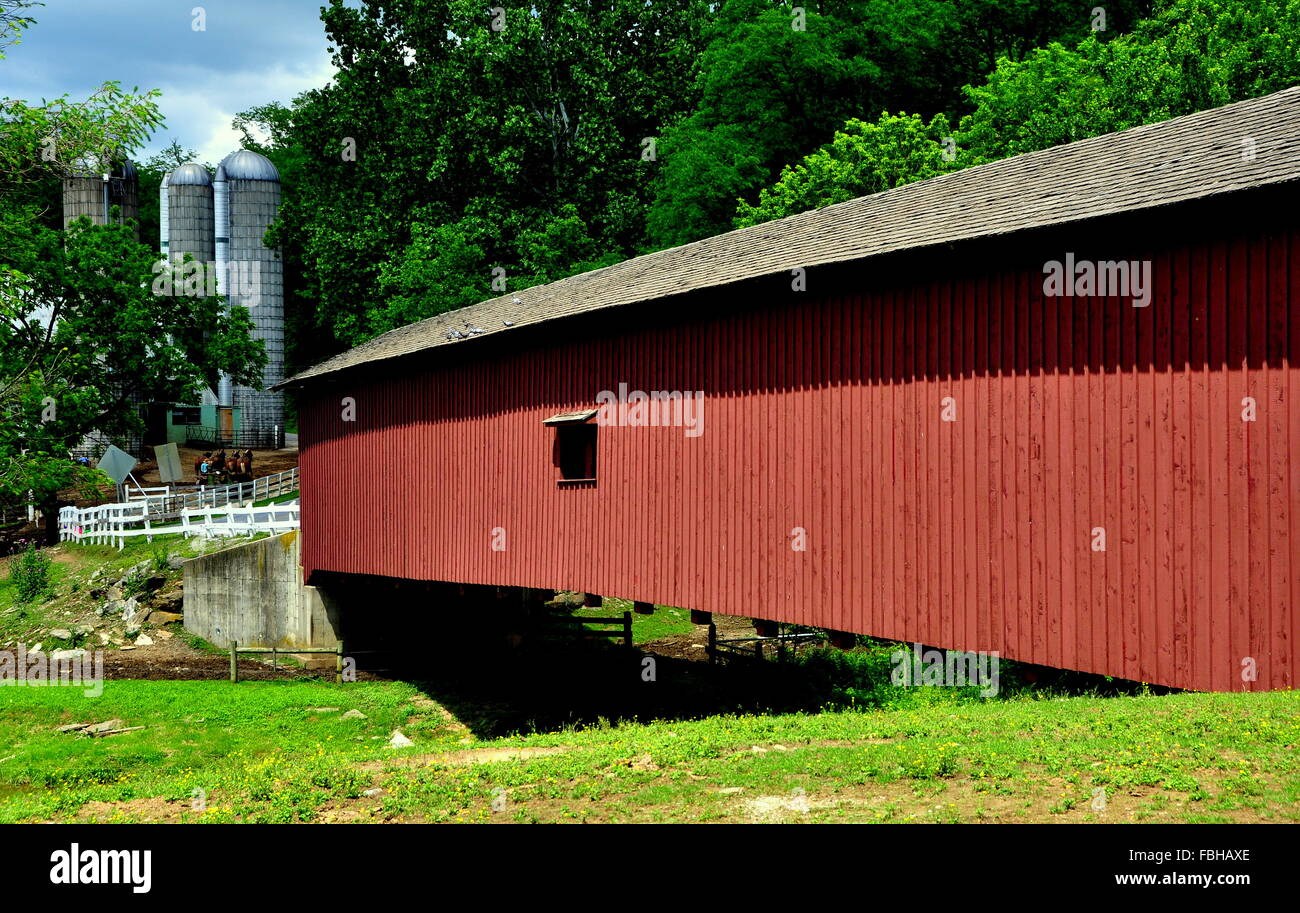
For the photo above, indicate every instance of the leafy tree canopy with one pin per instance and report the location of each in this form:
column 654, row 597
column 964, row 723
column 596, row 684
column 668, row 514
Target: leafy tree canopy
column 863, row 158
column 453, row 128
column 1190, row 56
column 1193, row 55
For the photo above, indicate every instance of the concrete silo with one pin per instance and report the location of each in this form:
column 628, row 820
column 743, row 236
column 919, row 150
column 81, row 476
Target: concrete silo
column 253, row 277
column 189, row 228
column 93, row 195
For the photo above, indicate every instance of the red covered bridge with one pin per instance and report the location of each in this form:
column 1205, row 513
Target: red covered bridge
column 1046, row 407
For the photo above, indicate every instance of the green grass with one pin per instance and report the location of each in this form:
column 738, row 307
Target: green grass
column 259, row 754
column 278, row 499
column 665, row 622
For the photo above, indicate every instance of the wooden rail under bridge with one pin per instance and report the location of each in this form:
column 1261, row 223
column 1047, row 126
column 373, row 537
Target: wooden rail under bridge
column 609, row 626
column 759, row 646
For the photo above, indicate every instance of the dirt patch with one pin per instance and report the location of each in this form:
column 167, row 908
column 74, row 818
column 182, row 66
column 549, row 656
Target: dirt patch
column 265, row 463
column 693, row 646
column 345, row 814
column 767, row 809
column 154, row 809
column 175, row 661
column 1031, row 802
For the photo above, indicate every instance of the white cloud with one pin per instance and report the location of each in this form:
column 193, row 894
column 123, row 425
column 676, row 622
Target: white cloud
column 199, row 110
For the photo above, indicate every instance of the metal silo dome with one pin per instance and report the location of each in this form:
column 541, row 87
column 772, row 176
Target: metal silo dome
column 246, row 165
column 190, row 173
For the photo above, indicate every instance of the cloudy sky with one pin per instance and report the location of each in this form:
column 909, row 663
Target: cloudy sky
column 250, row 53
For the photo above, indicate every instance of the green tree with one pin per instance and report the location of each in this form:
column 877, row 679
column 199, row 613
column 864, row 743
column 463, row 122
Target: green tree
column 93, row 329
column 768, row 88
column 14, row 19
column 469, row 137
column 1192, row 55
column 776, row 84
column 442, row 268
column 559, row 248
column 862, row 158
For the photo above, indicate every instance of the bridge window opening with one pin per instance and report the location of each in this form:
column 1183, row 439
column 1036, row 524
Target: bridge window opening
column 575, row 445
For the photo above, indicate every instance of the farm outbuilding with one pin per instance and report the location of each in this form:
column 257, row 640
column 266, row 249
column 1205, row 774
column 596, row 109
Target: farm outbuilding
column 1045, row 407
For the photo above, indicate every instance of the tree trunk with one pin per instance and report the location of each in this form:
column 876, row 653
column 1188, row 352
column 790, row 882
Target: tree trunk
column 50, row 518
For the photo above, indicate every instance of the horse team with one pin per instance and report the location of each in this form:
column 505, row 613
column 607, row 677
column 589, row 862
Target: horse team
column 221, row 469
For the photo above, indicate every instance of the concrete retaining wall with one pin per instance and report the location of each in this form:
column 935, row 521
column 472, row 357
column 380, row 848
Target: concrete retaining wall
column 253, row 593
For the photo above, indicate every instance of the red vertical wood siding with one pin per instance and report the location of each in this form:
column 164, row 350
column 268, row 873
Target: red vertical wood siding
column 825, row 416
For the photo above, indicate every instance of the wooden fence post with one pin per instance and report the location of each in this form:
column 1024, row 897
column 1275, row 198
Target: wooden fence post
column 234, row 661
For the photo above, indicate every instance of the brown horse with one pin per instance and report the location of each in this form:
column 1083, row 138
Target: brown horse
column 220, row 468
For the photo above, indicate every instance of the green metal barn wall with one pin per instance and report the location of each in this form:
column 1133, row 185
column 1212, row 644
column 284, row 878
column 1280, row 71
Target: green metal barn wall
column 824, row 414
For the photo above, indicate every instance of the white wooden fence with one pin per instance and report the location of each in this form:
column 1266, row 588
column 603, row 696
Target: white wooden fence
column 115, row 523
column 165, row 501
column 214, row 522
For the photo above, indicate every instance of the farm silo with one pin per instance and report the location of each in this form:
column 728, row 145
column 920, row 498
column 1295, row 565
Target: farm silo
column 94, row 195
column 253, row 277
column 189, row 226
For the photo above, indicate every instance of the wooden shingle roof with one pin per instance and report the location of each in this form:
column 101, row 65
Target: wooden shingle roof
column 1197, row 156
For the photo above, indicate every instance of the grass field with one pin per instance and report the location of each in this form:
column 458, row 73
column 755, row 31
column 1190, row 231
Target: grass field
column 825, row 737
column 265, row 751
